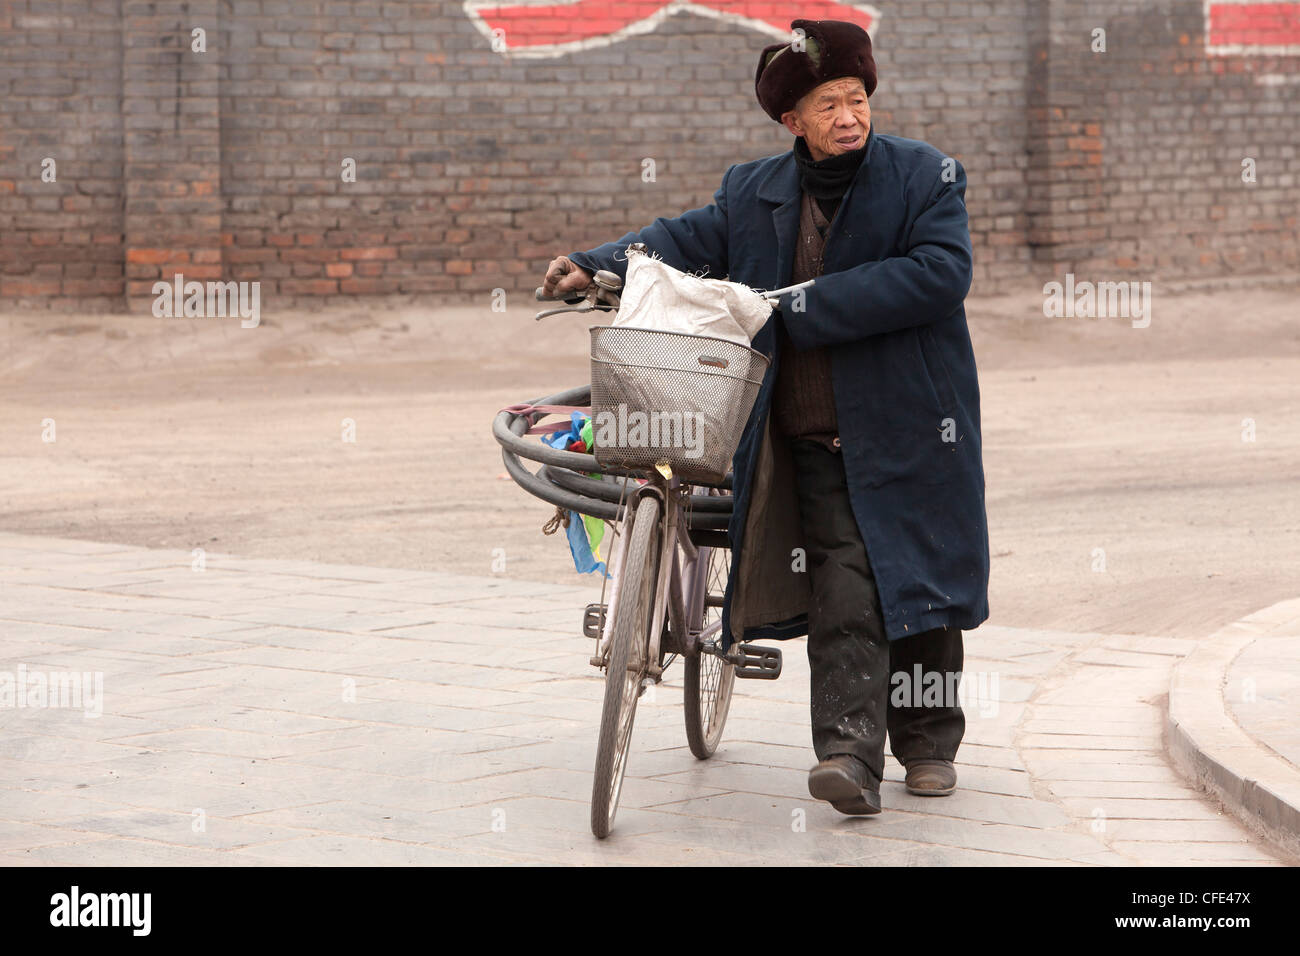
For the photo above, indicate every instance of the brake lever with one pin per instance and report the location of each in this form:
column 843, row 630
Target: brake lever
column 583, row 307
column 601, row 296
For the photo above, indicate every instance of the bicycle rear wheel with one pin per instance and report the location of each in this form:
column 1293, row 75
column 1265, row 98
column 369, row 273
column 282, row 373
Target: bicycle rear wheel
column 627, row 664
column 708, row 680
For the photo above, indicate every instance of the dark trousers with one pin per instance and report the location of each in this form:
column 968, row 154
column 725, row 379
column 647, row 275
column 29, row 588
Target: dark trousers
column 851, row 660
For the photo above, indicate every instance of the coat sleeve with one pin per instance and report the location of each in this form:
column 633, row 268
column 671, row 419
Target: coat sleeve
column 694, row 241
column 925, row 285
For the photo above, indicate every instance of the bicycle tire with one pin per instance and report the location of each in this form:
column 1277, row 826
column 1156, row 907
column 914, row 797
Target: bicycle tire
column 708, row 680
column 629, row 636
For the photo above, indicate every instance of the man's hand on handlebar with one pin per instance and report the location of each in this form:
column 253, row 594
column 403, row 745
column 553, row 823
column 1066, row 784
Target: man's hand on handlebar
column 565, row 279
column 578, row 288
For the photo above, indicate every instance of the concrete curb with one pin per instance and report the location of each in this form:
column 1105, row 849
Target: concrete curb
column 1207, row 745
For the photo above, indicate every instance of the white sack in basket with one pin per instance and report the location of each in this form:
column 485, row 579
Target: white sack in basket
column 657, row 296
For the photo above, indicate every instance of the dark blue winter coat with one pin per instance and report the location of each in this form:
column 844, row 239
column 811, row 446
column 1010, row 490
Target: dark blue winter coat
column 896, row 269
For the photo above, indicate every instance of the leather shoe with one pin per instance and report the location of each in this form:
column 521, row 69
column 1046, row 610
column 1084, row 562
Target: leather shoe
column 931, row 778
column 846, row 784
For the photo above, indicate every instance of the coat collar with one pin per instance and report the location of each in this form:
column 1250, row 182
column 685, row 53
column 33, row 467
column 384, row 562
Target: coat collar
column 781, row 186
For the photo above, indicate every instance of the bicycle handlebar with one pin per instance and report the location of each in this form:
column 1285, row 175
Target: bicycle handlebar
column 602, row 292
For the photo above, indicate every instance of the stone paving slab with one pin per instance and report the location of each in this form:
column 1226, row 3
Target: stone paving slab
column 260, row 712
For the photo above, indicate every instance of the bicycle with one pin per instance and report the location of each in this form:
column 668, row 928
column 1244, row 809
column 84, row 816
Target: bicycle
column 662, row 594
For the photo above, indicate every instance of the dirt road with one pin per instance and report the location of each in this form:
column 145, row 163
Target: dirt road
column 1121, row 494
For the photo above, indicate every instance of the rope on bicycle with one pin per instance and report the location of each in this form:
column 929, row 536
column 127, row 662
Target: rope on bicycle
column 557, row 521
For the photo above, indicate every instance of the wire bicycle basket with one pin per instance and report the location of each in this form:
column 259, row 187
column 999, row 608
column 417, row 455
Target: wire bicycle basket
column 660, row 397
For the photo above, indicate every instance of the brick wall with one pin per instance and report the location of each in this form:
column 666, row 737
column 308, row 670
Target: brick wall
column 474, row 168
column 172, row 144
column 1137, row 152
column 61, row 100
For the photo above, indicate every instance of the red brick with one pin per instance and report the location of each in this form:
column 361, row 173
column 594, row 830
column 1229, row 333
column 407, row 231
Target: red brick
column 157, row 256
column 93, row 287
column 309, row 286
column 241, row 255
column 24, row 287
column 309, row 255
column 368, row 286
column 374, row 252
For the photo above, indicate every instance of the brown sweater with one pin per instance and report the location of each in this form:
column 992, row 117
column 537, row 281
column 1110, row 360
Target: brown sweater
column 803, row 405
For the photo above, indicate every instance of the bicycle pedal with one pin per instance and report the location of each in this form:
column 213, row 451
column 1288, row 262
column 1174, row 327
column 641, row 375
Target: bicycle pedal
column 754, row 662
column 593, row 620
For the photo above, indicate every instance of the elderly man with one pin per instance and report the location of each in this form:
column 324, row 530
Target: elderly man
column 859, row 513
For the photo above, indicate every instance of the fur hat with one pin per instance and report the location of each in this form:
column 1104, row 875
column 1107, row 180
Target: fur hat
column 831, row 49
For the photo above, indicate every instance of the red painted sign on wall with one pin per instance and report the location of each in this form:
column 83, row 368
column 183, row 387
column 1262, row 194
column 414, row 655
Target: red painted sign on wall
column 554, row 28
column 548, row 28
column 1252, row 27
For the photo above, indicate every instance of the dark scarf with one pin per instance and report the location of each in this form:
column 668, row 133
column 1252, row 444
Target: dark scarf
column 827, row 180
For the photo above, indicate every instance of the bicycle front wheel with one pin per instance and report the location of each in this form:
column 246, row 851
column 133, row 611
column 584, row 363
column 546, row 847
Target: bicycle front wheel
column 628, row 662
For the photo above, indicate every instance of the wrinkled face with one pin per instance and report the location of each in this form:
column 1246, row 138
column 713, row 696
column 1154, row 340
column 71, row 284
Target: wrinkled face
column 833, row 118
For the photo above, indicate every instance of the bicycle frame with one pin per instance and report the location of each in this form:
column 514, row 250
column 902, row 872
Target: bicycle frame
column 669, row 584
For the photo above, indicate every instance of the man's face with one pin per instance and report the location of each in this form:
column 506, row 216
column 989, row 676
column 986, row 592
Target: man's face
column 833, row 118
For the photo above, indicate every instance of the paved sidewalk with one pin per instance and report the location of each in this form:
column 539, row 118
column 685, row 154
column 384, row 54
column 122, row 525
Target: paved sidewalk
column 1264, row 684
column 282, row 712
column 1233, row 712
